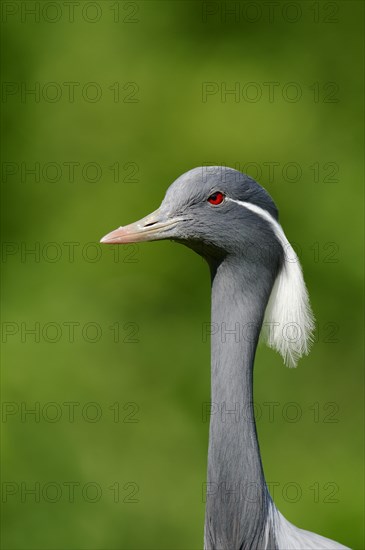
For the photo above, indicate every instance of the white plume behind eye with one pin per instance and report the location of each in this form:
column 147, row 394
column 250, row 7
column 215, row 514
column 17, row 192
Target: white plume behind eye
column 289, row 322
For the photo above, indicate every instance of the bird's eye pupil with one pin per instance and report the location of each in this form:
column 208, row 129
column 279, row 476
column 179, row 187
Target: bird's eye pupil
column 216, row 198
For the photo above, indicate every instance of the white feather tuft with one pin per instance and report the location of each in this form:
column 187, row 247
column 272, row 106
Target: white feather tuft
column 289, row 322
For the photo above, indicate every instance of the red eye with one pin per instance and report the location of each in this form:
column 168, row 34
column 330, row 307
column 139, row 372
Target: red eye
column 216, row 198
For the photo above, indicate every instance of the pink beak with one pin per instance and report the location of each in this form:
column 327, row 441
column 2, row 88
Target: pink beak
column 150, row 228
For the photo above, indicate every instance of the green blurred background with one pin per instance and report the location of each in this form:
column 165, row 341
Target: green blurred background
column 119, row 338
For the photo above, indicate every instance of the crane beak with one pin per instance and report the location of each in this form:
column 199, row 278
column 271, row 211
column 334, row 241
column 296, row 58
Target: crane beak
column 153, row 227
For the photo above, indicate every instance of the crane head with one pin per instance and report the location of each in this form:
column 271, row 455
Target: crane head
column 202, row 210
column 221, row 214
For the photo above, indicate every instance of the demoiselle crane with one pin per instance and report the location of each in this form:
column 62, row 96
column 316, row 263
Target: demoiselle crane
column 257, row 283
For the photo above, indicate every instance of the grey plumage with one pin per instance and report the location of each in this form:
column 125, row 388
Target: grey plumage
column 243, row 245
column 237, row 499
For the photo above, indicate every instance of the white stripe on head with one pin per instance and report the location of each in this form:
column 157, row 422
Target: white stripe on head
column 289, row 323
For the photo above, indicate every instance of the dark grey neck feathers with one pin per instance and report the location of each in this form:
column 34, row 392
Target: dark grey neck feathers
column 237, row 497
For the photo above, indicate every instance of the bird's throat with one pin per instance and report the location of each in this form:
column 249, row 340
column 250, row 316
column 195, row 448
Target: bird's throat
column 237, row 499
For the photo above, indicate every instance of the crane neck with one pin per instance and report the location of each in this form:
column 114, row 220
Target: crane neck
column 237, row 499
